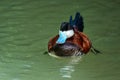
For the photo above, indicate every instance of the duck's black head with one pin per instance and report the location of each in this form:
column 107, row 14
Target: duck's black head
column 65, row 26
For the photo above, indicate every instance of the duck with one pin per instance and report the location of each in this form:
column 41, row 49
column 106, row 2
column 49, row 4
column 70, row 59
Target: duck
column 71, row 41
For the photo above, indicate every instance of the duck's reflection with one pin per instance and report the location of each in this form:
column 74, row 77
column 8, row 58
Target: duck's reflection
column 67, row 70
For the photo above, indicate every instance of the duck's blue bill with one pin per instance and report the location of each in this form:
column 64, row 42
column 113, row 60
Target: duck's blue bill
column 62, row 38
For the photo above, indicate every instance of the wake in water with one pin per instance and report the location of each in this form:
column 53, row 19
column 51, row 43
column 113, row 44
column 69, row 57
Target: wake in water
column 67, row 70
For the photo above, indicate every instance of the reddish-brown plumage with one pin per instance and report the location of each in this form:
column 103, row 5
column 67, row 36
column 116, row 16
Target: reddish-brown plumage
column 79, row 39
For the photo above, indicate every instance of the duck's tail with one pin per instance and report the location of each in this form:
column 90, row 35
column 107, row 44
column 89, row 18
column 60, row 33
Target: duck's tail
column 77, row 22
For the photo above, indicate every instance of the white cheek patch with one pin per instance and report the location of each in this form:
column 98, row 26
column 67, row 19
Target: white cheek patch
column 68, row 33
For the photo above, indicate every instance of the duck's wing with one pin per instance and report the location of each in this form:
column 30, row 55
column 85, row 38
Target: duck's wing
column 86, row 43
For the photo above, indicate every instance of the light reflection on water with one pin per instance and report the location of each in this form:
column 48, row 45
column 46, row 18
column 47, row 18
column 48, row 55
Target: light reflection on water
column 67, row 70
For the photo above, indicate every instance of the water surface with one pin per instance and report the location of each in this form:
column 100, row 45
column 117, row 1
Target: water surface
column 27, row 25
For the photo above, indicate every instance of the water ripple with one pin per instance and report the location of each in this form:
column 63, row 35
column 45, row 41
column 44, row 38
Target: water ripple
column 67, row 70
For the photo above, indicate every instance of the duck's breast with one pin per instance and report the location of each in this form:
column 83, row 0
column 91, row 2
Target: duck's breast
column 66, row 49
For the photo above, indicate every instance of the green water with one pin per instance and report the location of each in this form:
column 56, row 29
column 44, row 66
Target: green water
column 27, row 25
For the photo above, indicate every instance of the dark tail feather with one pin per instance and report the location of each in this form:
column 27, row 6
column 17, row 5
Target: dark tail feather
column 71, row 21
column 77, row 22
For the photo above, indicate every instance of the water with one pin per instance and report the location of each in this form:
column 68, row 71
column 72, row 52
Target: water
column 27, row 25
column 68, row 69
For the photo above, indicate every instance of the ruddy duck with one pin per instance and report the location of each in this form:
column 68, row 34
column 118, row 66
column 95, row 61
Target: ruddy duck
column 71, row 41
